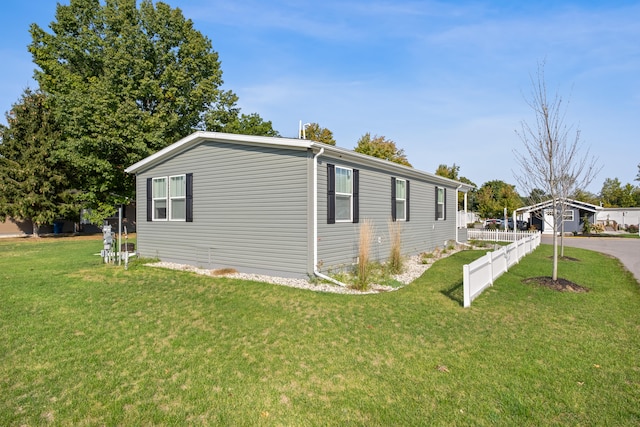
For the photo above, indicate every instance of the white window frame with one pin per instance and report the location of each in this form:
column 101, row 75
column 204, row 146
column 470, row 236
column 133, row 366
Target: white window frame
column 171, row 198
column 568, row 215
column 440, row 190
column 155, row 199
column 343, row 194
column 401, row 199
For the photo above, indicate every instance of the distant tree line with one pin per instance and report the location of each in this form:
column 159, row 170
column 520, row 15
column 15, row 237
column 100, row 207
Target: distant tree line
column 121, row 79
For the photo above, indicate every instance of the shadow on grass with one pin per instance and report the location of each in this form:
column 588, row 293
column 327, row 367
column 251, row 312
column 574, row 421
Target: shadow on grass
column 455, row 293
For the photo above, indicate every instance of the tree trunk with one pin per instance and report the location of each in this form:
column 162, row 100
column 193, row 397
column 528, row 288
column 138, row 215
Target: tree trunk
column 554, row 275
column 562, row 236
column 36, row 229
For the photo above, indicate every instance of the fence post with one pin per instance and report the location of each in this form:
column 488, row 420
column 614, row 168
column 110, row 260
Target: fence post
column 490, row 268
column 466, row 286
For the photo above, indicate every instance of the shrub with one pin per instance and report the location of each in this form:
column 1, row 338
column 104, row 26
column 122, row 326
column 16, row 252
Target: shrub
column 395, row 255
column 426, row 257
column 586, row 225
column 364, row 260
column 633, row 229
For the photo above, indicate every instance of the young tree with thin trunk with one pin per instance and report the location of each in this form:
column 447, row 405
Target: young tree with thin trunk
column 553, row 159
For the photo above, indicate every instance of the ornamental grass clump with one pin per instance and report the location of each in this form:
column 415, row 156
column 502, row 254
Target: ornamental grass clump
column 364, row 259
column 395, row 254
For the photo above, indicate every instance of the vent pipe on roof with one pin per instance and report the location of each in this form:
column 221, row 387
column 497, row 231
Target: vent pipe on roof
column 302, row 130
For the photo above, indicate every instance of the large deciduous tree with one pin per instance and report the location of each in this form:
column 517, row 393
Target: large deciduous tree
column 125, row 79
column 615, row 195
column 33, row 170
column 494, row 196
column 452, row 172
column 315, row 132
column 551, row 159
column 226, row 117
column 381, row 147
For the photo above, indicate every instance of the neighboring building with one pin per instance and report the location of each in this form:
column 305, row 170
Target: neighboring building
column 281, row 206
column 21, row 228
column 541, row 215
column 618, row 218
column 12, row 227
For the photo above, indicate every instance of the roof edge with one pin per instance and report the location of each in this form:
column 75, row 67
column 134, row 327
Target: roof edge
column 199, row 136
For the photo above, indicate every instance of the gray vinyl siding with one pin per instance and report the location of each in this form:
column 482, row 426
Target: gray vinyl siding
column 338, row 243
column 250, row 207
column 571, row 226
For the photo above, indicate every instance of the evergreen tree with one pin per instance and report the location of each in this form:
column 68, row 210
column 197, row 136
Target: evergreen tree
column 33, row 170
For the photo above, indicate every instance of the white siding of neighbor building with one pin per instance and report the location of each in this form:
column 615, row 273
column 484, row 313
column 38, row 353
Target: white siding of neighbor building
column 250, row 207
column 338, row 243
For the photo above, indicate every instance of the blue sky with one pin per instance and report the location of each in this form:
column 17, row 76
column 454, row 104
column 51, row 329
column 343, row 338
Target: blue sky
column 446, row 81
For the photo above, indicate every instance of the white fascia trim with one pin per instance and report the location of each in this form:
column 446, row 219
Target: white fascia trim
column 197, row 137
column 568, row 202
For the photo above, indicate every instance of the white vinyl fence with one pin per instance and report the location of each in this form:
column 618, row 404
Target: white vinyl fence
column 482, row 272
column 499, row 235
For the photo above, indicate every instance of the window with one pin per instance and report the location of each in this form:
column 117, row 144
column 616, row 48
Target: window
column 170, row 198
column 159, row 199
column 399, row 199
column 568, row 215
column 342, row 194
column 441, row 203
column 177, row 198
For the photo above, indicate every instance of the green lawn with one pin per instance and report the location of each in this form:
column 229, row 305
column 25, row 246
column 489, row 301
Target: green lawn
column 89, row 344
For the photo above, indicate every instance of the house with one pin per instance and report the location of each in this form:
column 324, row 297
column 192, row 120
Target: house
column 541, row 215
column 11, row 227
column 618, row 218
column 283, row 206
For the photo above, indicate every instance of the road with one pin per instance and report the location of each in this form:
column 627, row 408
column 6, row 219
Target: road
column 626, row 250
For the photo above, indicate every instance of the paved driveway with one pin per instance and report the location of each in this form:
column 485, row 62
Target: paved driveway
column 626, row 250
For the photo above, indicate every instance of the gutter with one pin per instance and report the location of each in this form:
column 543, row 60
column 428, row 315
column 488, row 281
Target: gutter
column 316, row 272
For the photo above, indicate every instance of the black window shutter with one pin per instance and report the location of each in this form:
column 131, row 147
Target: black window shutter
column 356, row 196
column 331, row 194
column 393, row 199
column 444, row 204
column 149, row 199
column 407, row 201
column 436, row 205
column 189, row 212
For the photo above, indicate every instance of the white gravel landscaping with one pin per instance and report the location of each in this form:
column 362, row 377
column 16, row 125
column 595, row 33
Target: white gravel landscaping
column 413, row 269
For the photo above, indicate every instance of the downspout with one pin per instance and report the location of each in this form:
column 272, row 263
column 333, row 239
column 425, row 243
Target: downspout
column 315, row 222
column 458, row 242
